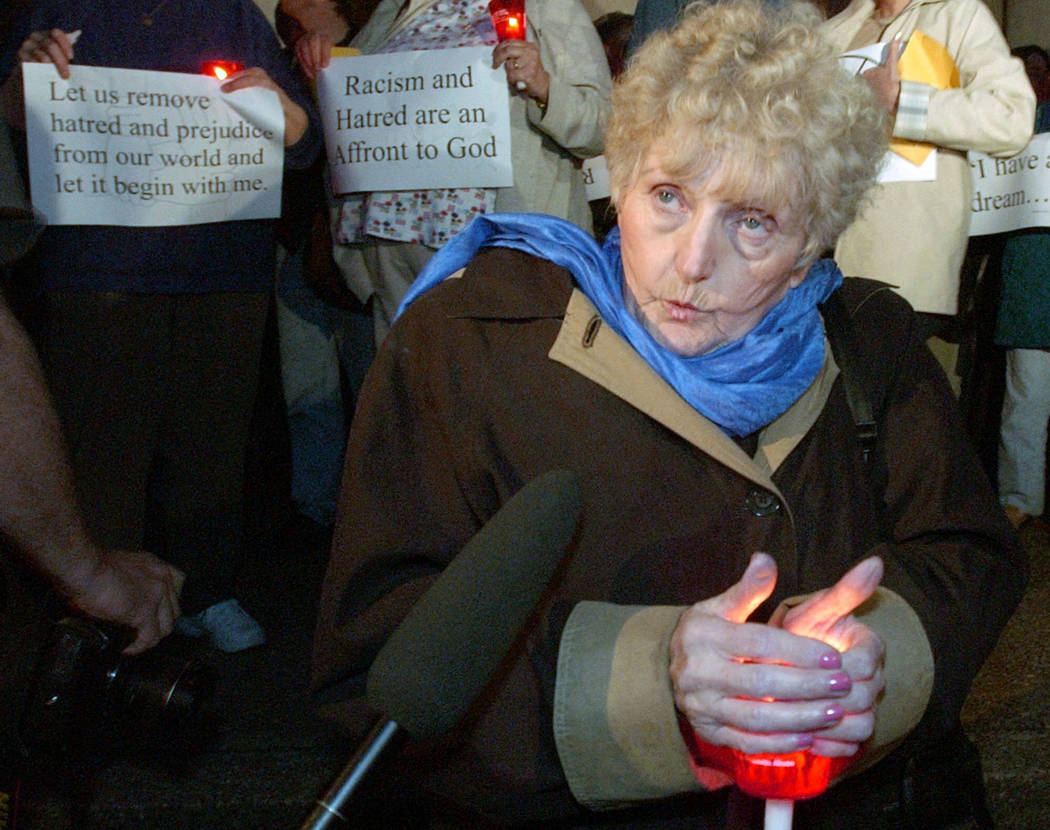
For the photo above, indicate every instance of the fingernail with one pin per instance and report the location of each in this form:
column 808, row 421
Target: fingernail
column 840, row 682
column 833, row 713
column 831, row 660
column 804, row 741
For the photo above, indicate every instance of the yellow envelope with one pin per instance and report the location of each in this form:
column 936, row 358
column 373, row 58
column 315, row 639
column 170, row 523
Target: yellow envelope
column 924, row 61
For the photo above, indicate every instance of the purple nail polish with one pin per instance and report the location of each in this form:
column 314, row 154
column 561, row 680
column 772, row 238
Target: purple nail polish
column 804, row 741
column 833, row 713
column 831, row 660
column 840, row 682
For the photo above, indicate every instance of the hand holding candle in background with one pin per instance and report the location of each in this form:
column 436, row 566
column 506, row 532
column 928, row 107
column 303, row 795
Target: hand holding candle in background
column 524, row 68
column 519, row 58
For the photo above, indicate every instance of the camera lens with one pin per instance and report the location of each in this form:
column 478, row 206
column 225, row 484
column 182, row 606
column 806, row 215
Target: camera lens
column 161, row 701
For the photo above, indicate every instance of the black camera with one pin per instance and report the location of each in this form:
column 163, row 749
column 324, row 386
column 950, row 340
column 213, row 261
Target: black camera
column 87, row 697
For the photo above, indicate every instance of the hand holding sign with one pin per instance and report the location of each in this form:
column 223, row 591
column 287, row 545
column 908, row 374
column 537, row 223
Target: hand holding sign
column 295, row 118
column 49, row 47
column 54, row 46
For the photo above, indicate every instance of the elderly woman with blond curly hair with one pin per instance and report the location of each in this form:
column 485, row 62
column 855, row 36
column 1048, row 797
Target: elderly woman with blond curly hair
column 756, row 565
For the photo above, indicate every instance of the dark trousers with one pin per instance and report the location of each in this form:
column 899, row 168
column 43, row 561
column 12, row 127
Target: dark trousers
column 155, row 393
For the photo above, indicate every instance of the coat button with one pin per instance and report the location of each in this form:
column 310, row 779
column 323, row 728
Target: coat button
column 762, row 503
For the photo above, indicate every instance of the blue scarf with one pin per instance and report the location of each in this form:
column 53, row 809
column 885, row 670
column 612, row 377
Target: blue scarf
column 741, row 386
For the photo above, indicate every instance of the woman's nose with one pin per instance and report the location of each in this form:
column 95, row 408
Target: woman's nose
column 695, row 254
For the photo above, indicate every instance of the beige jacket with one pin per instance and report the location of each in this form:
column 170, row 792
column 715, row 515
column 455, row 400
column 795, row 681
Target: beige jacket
column 914, row 234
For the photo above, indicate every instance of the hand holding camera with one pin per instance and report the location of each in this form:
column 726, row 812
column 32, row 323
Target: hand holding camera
column 134, row 589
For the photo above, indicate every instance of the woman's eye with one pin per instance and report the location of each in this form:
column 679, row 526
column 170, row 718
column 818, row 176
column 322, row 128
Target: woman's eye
column 753, row 223
column 666, row 197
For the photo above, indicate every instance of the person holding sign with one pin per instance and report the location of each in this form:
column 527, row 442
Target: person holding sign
column 949, row 85
column 152, row 336
column 558, row 82
column 1023, row 327
column 684, row 371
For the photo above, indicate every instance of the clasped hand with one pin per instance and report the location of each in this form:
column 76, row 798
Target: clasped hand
column 808, row 679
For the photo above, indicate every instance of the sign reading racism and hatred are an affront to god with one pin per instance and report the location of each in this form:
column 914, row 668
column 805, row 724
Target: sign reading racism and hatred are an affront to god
column 407, row 120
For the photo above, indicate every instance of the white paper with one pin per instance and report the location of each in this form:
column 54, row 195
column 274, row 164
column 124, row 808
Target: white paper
column 896, row 168
column 858, row 61
column 430, row 119
column 1013, row 193
column 595, row 178
column 140, row 148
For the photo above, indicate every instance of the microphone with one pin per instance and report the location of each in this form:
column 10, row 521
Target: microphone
column 444, row 653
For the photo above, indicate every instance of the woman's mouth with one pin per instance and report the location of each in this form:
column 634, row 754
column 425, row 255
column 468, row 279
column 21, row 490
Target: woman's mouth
column 681, row 312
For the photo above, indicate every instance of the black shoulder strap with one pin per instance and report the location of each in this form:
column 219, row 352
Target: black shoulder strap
column 844, row 346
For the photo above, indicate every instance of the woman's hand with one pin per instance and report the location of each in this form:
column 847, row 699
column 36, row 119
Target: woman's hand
column 295, row 118
column 827, row 616
column 524, row 67
column 48, row 47
column 751, row 686
column 54, row 47
column 313, row 51
column 886, row 79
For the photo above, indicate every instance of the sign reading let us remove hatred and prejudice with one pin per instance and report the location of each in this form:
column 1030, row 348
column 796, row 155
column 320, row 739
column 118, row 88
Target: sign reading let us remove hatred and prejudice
column 141, row 148
column 431, row 119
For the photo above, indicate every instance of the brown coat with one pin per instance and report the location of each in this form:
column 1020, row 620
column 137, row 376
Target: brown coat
column 495, row 378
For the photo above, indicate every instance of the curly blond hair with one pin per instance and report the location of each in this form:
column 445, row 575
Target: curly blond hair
column 758, row 94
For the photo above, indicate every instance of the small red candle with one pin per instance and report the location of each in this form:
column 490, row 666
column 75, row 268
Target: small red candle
column 508, row 18
column 221, row 69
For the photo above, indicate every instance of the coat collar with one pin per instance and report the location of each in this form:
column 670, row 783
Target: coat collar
column 860, row 10
column 591, row 348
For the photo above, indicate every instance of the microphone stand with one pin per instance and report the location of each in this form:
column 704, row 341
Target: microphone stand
column 327, row 812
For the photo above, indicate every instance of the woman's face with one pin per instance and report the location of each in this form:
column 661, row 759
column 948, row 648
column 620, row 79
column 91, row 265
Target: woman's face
column 701, row 267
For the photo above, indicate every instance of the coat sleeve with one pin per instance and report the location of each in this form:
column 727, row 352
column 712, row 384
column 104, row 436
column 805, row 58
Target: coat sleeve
column 578, row 102
column 404, row 513
column 991, row 111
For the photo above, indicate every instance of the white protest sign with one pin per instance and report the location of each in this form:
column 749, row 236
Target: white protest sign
column 407, row 120
column 1013, row 193
column 595, row 178
column 140, row 148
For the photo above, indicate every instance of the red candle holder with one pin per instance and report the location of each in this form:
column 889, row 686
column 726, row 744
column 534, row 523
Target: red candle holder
column 508, row 18
column 221, row 69
column 792, row 776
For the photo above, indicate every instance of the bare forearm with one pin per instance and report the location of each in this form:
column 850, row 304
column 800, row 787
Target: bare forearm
column 38, row 510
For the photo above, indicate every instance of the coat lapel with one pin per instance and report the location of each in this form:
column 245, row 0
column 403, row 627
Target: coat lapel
column 587, row 345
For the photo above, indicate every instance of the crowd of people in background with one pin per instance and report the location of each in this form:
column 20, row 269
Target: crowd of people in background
column 128, row 406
